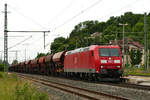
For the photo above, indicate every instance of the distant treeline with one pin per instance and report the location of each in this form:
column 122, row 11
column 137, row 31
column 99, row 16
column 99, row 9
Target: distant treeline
column 81, row 34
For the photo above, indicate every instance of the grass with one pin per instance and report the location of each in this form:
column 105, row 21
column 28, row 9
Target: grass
column 13, row 89
column 132, row 70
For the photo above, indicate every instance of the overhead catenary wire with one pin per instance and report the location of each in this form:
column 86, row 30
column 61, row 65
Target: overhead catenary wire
column 88, row 9
column 29, row 18
column 81, row 12
column 23, row 31
column 111, row 13
column 78, row 14
column 75, row 16
column 62, row 11
column 62, row 25
column 85, row 11
column 20, row 42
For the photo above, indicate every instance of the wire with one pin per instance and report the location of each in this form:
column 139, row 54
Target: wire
column 62, row 11
column 35, row 22
column 20, row 42
column 81, row 12
column 111, row 13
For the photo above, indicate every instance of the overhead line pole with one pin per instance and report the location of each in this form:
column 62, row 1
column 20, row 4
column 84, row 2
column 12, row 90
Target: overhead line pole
column 123, row 39
column 16, row 51
column 145, row 43
column 34, row 32
column 6, row 39
column 29, row 31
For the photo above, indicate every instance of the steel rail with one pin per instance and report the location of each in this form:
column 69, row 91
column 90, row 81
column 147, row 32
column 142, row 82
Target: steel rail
column 89, row 94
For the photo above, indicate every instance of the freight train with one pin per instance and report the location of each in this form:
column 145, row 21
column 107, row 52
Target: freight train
column 96, row 62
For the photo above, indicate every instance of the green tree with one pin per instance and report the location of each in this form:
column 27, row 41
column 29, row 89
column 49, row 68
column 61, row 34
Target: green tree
column 58, row 44
column 1, row 67
column 108, row 29
column 1, row 61
column 138, row 56
column 135, row 56
column 15, row 62
column 40, row 55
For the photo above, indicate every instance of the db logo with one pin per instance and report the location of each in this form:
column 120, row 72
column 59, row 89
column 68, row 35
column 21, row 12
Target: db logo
column 75, row 60
column 109, row 61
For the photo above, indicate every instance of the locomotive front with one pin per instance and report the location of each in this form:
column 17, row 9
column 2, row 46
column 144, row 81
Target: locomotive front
column 108, row 61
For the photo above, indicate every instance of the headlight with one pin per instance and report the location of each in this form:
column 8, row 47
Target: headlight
column 118, row 66
column 103, row 61
column 102, row 66
column 116, row 61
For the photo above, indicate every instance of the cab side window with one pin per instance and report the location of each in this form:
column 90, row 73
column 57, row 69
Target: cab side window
column 92, row 53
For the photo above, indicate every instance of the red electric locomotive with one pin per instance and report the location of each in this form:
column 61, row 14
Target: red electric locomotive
column 100, row 61
column 96, row 62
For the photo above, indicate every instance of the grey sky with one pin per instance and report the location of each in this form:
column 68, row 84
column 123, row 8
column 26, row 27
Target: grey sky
column 52, row 14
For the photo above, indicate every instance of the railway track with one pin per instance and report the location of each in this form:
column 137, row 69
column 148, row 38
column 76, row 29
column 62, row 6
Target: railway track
column 120, row 84
column 134, row 86
column 127, row 85
column 85, row 93
column 123, row 84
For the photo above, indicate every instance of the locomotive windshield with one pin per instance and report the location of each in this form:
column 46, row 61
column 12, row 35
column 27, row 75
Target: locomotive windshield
column 109, row 52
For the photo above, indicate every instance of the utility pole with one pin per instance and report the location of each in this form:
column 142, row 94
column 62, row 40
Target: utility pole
column 5, row 41
column 16, row 51
column 25, row 51
column 34, row 32
column 44, row 39
column 76, row 44
column 145, row 43
column 25, row 55
column 1, row 55
column 123, row 39
column 116, row 37
column 17, row 55
column 127, row 54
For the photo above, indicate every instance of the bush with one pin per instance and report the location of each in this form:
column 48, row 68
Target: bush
column 13, row 89
column 1, row 67
column 28, row 93
column 1, row 75
column 133, row 70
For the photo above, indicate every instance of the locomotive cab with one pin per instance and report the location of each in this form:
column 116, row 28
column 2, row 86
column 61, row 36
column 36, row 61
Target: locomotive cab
column 108, row 60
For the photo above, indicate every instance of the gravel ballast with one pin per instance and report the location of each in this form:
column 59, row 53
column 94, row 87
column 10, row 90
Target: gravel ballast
column 130, row 93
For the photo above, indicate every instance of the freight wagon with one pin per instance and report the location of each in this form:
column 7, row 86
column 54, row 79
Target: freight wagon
column 94, row 62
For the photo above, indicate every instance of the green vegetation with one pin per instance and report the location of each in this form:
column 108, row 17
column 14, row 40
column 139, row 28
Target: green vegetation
column 135, row 56
column 13, row 89
column 15, row 62
column 1, row 67
column 80, row 36
column 132, row 70
column 42, row 54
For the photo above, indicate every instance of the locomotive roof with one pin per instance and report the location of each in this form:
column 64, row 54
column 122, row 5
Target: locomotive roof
column 78, row 50
column 92, row 47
